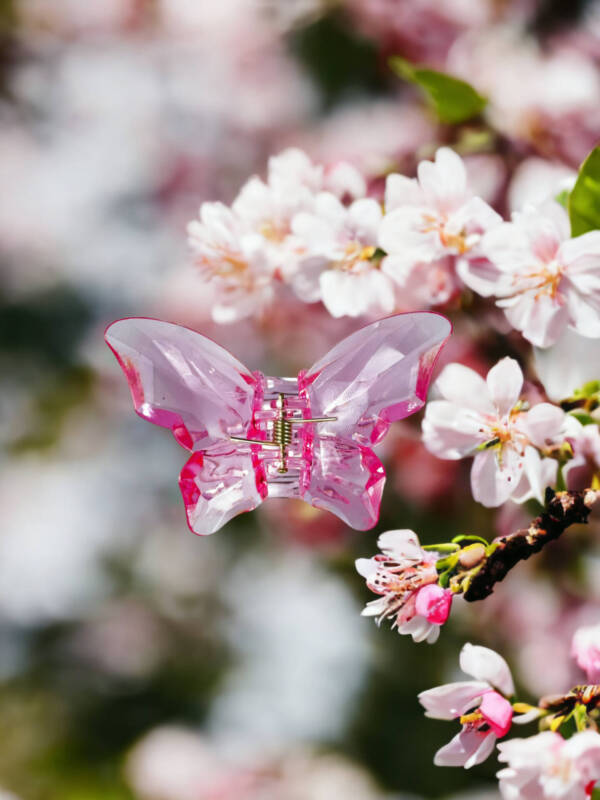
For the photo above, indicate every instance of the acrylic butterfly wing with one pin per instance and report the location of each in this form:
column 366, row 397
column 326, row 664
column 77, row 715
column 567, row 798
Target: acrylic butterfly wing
column 377, row 375
column 184, row 381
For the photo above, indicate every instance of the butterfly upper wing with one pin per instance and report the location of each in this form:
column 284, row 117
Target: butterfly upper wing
column 375, row 376
column 182, row 380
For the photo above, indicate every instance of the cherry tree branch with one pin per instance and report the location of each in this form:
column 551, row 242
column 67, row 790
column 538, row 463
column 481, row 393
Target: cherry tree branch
column 563, row 509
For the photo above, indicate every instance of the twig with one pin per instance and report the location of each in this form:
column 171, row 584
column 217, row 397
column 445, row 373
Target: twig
column 563, row 509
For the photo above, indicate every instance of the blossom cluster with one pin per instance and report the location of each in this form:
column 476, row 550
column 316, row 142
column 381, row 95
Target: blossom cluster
column 562, row 760
column 327, row 234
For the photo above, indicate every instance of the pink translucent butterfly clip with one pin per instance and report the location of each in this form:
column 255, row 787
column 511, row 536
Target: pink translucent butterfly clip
column 253, row 436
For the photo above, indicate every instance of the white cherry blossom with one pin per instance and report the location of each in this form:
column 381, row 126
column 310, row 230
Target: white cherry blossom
column 338, row 243
column 486, row 419
column 232, row 260
column 434, row 216
column 546, row 280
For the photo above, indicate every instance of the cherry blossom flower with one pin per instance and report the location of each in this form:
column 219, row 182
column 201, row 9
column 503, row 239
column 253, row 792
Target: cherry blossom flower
column 585, row 649
column 481, row 705
column 431, row 217
column 548, row 767
column 486, row 418
column 339, row 243
column 405, row 576
column 232, row 259
column 546, row 280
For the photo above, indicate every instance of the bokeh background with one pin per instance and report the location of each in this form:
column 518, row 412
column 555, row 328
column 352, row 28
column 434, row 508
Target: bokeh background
column 139, row 661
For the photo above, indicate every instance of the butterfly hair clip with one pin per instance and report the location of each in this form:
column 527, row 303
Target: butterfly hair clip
column 253, row 436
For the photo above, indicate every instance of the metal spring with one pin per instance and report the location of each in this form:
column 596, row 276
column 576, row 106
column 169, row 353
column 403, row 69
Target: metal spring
column 282, row 432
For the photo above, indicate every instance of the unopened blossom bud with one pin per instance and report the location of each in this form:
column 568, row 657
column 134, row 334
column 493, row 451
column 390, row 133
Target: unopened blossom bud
column 471, row 556
column 434, row 603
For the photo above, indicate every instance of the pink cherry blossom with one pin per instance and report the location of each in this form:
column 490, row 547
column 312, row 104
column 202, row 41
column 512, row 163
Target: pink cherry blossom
column 230, row 259
column 430, row 218
column 581, row 470
column 275, row 226
column 586, row 651
column 405, row 577
column 481, row 705
column 485, row 419
column 548, row 767
column 338, row 243
column 546, row 281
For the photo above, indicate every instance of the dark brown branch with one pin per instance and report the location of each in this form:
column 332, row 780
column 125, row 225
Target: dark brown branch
column 563, row 509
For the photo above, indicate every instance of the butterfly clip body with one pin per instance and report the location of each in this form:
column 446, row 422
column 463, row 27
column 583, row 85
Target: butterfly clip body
column 252, row 436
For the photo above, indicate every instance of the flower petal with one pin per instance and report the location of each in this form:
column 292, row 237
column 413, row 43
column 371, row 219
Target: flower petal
column 491, row 483
column 452, row 700
column 465, row 388
column 366, row 567
column 504, row 383
column 468, row 748
column 401, row 545
column 497, row 712
column 543, row 424
column 485, row 664
column 451, row 432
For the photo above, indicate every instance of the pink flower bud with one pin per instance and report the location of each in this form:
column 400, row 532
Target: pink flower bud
column 433, row 603
column 497, row 712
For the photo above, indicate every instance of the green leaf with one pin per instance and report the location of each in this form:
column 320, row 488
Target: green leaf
column 584, row 200
column 563, row 198
column 587, row 390
column 453, row 100
column 595, row 794
column 582, row 416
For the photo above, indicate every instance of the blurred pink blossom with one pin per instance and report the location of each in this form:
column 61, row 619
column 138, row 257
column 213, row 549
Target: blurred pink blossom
column 548, row 767
column 581, row 470
column 585, row 649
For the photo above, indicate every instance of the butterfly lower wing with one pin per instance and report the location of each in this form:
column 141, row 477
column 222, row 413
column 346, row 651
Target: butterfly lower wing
column 375, row 376
column 182, row 380
column 345, row 478
column 218, row 484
